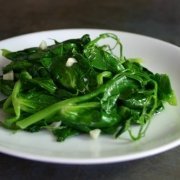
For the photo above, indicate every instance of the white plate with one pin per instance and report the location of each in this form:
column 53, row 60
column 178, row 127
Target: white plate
column 164, row 130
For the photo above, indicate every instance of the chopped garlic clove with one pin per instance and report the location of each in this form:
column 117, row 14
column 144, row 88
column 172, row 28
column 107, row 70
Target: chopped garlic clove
column 8, row 76
column 43, row 45
column 70, row 62
column 85, row 79
column 95, row 133
column 56, row 124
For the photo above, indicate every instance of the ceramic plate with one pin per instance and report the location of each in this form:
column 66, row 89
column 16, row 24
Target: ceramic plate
column 163, row 132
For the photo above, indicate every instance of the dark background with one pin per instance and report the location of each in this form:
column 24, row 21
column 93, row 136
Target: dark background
column 155, row 18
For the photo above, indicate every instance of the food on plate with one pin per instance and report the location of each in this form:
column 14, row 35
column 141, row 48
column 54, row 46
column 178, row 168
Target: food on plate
column 81, row 86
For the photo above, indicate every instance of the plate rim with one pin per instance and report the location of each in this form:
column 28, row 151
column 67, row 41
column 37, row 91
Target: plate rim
column 91, row 161
column 92, row 29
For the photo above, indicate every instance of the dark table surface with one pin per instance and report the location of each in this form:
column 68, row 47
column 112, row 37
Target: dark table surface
column 156, row 18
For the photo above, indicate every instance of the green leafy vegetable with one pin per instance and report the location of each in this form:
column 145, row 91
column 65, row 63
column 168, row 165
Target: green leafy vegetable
column 100, row 89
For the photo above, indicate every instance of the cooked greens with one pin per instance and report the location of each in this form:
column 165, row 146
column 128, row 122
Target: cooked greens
column 78, row 85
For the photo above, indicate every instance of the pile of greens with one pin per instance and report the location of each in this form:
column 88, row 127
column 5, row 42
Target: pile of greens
column 98, row 90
